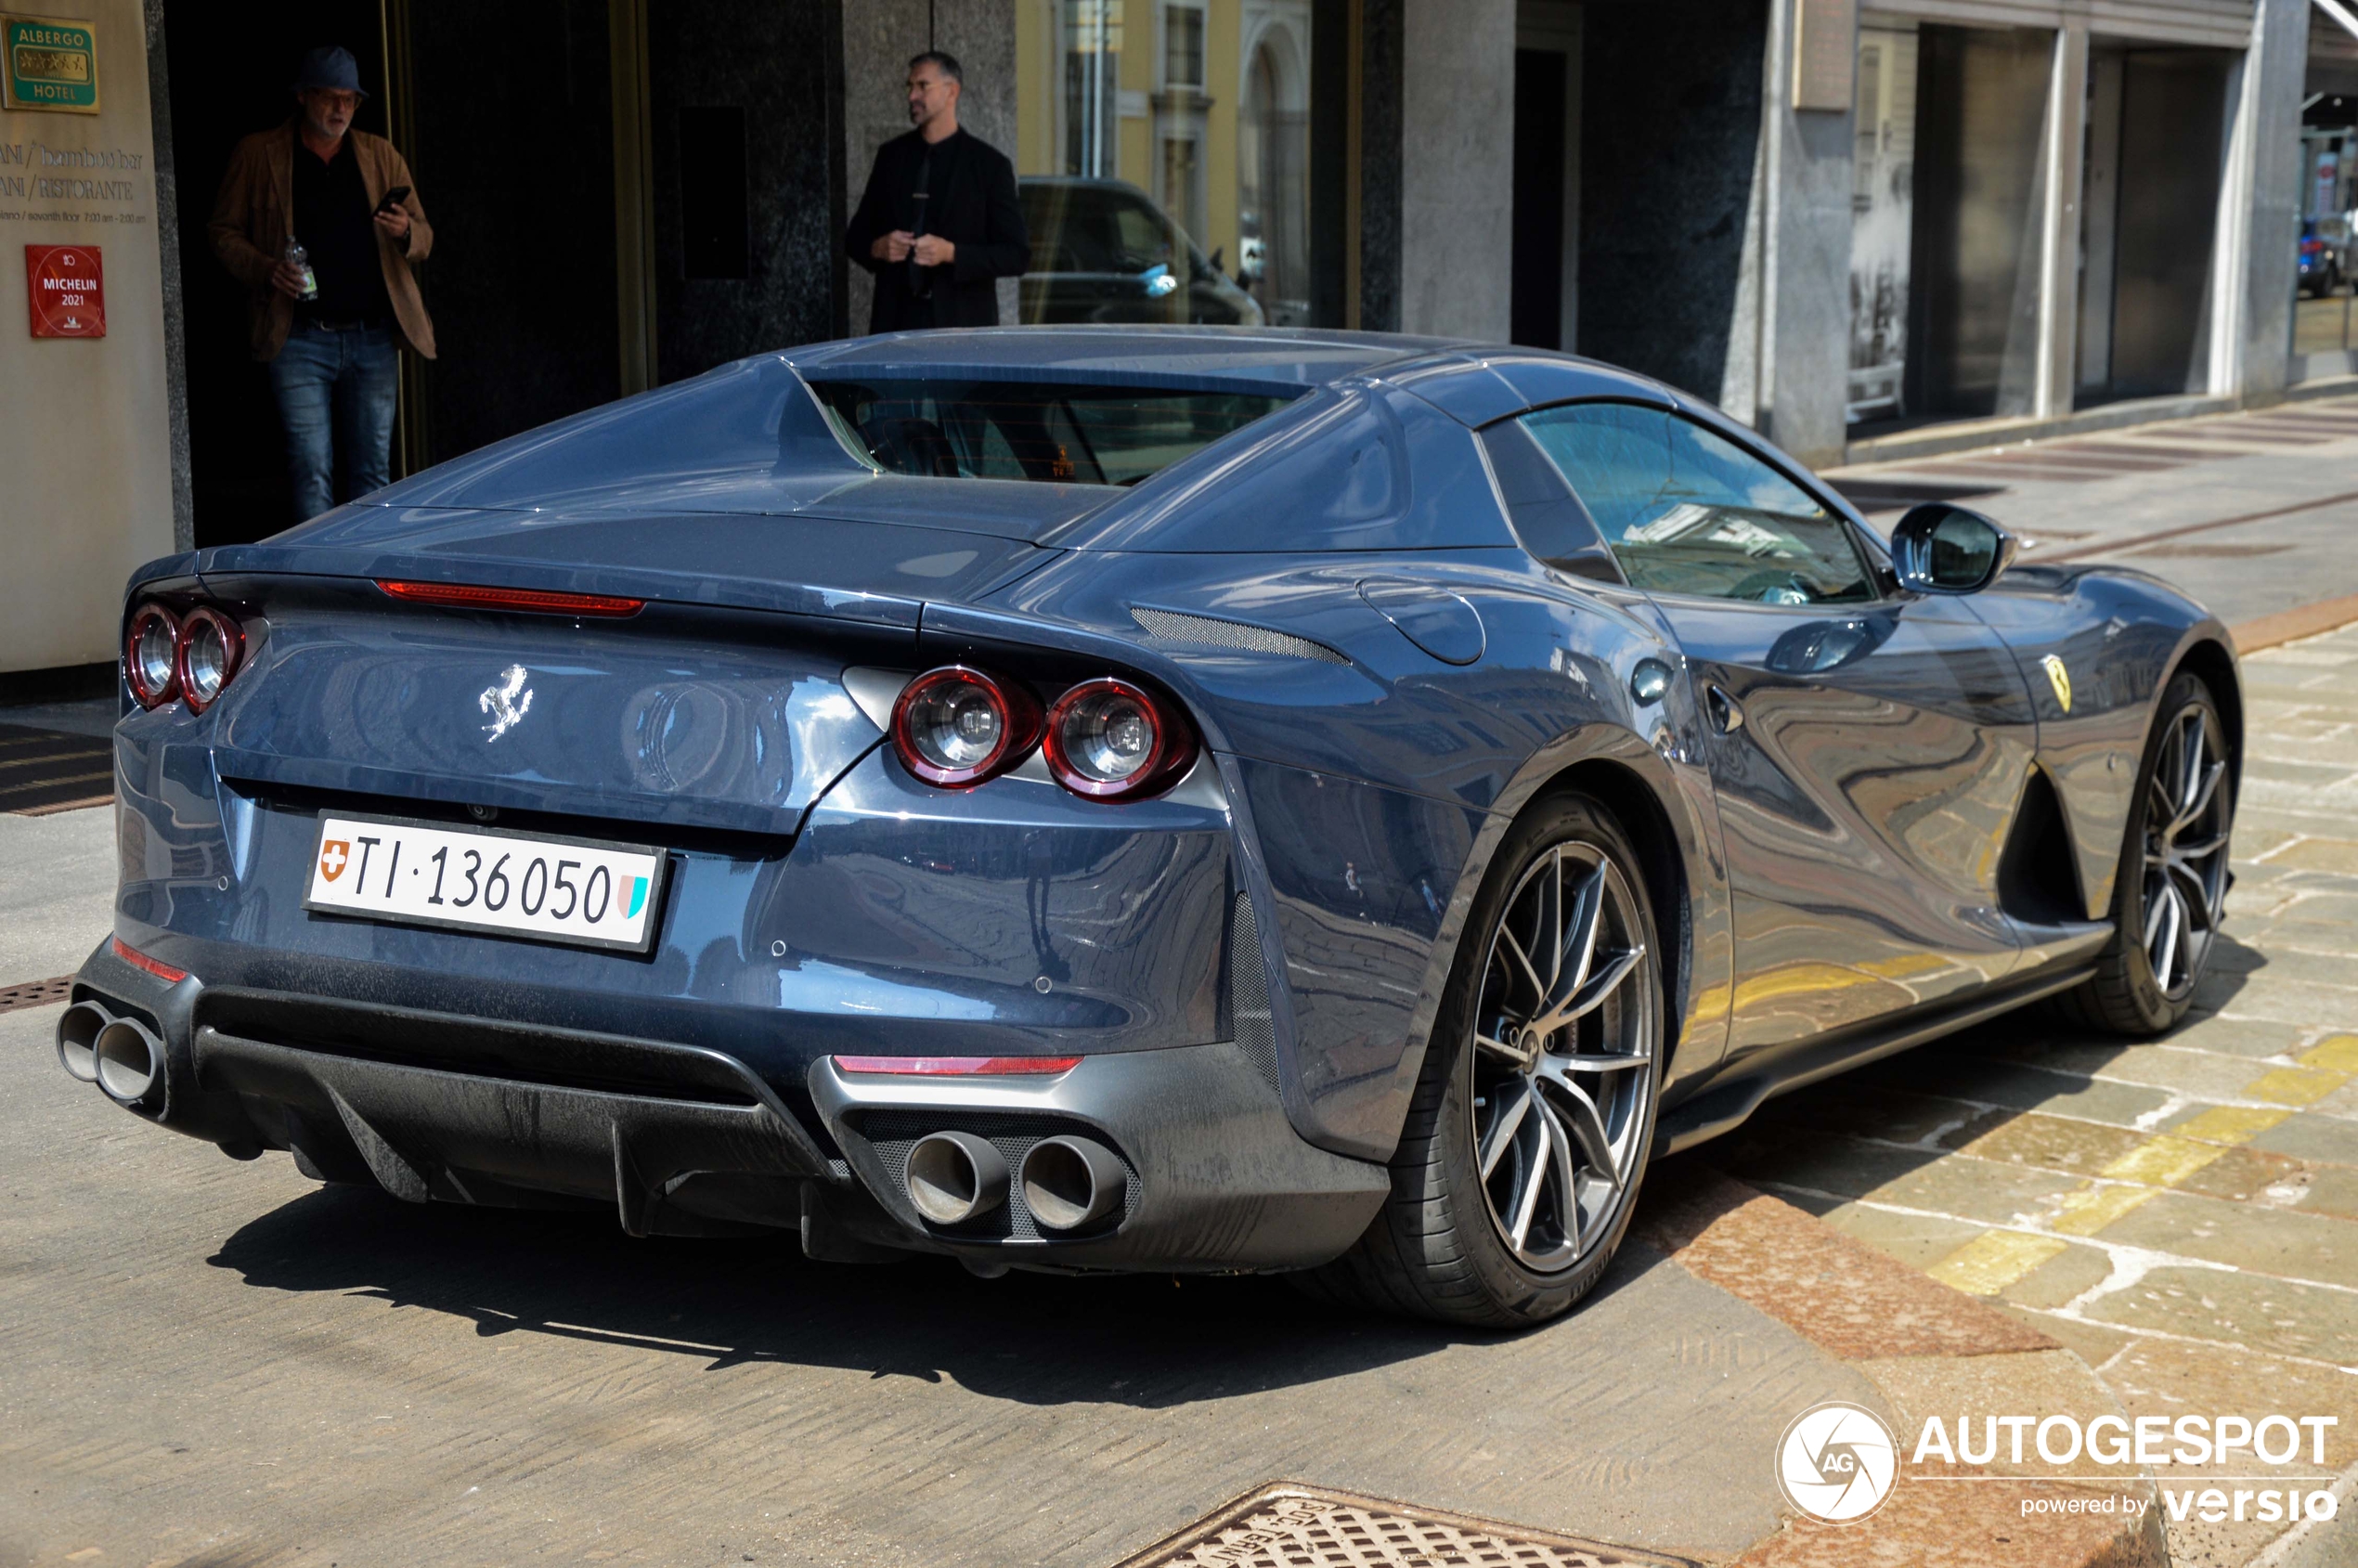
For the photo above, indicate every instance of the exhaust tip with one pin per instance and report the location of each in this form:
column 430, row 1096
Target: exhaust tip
column 952, row 1177
column 129, row 1059
column 1070, row 1181
column 78, row 1034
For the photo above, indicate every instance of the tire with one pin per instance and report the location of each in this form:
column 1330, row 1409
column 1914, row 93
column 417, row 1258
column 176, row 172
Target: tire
column 1447, row 1245
column 2169, row 893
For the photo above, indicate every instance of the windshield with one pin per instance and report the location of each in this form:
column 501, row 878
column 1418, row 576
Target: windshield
column 1056, row 433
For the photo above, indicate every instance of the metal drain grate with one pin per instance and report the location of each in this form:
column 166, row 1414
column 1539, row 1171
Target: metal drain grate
column 34, row 993
column 1284, row 1526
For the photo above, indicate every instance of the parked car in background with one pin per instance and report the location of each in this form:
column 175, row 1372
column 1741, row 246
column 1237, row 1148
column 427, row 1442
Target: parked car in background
column 1101, row 251
column 2322, row 263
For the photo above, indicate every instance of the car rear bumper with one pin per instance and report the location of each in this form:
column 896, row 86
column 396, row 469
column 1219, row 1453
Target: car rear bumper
column 685, row 1139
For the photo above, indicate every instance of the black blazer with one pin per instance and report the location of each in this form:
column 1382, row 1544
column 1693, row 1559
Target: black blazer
column 971, row 202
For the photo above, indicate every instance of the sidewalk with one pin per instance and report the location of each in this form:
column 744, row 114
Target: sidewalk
column 2182, row 1214
column 2249, row 512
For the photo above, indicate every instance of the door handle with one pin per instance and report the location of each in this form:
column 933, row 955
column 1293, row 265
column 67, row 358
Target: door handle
column 1726, row 712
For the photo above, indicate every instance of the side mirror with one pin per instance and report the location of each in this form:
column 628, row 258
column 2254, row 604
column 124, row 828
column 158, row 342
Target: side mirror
column 1943, row 549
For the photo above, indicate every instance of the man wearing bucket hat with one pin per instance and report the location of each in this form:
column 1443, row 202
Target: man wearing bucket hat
column 330, row 326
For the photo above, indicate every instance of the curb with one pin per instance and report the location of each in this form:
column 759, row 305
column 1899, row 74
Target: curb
column 1930, row 1349
column 2291, row 626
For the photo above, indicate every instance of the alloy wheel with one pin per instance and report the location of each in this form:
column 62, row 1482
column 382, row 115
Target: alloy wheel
column 1563, row 1058
column 2186, row 826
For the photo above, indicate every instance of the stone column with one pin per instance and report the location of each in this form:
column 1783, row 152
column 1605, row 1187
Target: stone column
column 2262, row 200
column 1457, row 167
column 1804, row 284
column 2063, row 147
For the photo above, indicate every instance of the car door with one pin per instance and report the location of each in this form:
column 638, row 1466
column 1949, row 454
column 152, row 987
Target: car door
column 1868, row 749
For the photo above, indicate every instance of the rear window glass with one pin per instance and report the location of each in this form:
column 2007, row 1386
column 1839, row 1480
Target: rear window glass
column 1056, row 432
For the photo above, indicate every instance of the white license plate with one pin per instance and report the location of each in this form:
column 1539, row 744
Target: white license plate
column 575, row 890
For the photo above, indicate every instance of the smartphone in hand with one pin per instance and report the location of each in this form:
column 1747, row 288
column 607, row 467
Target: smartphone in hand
column 393, row 198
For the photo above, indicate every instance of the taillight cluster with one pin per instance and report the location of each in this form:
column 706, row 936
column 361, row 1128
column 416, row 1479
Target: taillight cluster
column 1106, row 738
column 190, row 655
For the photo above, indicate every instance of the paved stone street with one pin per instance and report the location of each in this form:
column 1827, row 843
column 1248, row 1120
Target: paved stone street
column 225, row 1364
column 2252, row 514
column 2184, row 1213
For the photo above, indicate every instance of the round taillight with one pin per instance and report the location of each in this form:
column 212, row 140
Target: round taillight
column 956, row 726
column 150, row 657
column 210, row 645
column 1109, row 740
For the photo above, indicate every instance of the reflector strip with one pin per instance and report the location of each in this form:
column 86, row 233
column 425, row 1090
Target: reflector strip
column 958, row 1067
column 470, row 596
column 138, row 960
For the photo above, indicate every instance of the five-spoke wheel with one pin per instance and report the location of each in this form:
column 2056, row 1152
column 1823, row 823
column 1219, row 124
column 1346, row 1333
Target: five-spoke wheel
column 2186, row 850
column 1534, row 1113
column 2170, row 892
column 1563, row 1056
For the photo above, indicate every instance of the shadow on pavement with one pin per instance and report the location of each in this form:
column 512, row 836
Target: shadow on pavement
column 1873, row 1127
column 1146, row 1341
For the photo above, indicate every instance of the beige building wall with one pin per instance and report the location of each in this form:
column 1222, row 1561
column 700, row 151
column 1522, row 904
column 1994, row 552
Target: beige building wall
column 86, row 471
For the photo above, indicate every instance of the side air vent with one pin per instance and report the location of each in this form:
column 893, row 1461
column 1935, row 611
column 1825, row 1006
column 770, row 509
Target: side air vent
column 1203, row 631
column 2036, row 878
column 1249, row 992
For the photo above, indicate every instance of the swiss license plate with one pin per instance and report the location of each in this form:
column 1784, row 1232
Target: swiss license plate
column 575, row 890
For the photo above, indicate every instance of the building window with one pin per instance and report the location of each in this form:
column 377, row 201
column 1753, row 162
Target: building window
column 1182, row 46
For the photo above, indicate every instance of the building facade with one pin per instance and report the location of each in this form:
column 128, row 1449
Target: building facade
column 1868, row 230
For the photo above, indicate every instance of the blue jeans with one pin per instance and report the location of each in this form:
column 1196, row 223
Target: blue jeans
column 336, row 389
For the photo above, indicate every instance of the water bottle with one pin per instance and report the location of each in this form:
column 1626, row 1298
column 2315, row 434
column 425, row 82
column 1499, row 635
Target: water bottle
column 300, row 259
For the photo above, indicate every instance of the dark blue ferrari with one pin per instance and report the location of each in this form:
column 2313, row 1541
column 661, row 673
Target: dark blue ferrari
column 1085, row 798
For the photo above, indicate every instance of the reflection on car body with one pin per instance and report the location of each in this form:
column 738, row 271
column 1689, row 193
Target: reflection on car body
column 1082, row 798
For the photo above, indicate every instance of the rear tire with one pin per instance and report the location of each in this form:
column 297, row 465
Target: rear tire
column 2171, row 887
column 1503, row 1082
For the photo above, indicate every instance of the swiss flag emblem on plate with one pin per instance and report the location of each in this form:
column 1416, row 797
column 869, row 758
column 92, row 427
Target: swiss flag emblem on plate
column 335, row 855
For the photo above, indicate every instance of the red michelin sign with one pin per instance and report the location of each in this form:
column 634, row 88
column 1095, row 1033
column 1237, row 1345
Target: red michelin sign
column 65, row 290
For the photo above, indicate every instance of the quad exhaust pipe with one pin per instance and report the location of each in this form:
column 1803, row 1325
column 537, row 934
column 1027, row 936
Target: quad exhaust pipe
column 122, row 1057
column 954, row 1177
column 1069, row 1181
column 78, row 1034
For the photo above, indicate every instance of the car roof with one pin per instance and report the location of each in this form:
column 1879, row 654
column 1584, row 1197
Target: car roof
column 1474, row 382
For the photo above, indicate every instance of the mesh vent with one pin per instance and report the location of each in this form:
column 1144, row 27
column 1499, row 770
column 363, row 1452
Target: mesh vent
column 1286, row 1526
column 893, row 1134
column 1203, row 631
column 1249, row 993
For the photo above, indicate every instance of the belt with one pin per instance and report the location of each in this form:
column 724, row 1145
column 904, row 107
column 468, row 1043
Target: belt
column 356, row 324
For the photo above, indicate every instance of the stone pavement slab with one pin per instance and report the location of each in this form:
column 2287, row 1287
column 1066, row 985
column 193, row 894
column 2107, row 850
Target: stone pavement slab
column 2196, row 1241
column 211, row 1357
column 57, row 891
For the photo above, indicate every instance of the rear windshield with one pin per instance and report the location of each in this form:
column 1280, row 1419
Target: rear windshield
column 1057, row 433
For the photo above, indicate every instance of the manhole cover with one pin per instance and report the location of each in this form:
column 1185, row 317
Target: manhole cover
column 1284, row 1526
column 34, row 993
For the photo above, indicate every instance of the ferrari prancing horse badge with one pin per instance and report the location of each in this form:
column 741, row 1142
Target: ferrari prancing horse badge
column 2060, row 679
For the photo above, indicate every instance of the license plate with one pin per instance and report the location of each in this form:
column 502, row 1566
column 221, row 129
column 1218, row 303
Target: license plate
column 580, row 891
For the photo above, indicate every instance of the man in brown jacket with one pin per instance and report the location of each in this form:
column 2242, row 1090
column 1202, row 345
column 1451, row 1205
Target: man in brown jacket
column 330, row 326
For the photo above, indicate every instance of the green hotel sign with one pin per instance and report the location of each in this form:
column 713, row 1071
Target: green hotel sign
column 49, row 64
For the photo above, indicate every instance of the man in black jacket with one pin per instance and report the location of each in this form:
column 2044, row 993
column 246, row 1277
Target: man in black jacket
column 939, row 225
